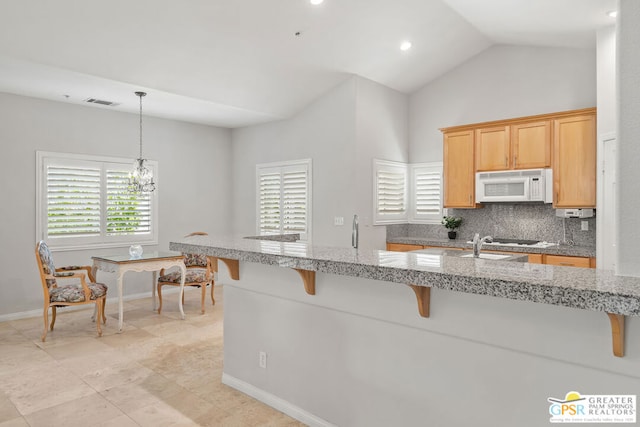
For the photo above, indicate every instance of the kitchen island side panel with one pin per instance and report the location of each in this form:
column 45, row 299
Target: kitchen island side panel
column 358, row 354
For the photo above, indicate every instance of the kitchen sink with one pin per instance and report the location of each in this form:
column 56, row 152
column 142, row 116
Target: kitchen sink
column 487, row 256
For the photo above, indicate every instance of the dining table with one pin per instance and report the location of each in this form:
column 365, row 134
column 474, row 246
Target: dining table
column 152, row 261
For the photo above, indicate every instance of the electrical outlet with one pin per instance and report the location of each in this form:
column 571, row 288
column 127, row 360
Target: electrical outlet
column 338, row 220
column 262, row 359
column 584, row 225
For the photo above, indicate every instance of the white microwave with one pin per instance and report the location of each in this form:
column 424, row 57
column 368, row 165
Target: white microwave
column 527, row 185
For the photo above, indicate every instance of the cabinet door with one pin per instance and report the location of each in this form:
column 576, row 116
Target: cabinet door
column 459, row 176
column 531, row 145
column 574, row 162
column 492, row 148
column 569, row 261
column 402, row 247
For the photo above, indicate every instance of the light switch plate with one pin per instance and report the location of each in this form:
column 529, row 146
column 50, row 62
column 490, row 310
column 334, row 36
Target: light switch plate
column 338, row 220
column 584, row 225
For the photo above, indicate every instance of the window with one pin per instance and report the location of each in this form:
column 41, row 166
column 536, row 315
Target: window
column 390, row 192
column 284, row 198
column 83, row 202
column 426, row 200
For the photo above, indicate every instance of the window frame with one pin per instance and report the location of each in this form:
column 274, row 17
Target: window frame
column 44, row 158
column 390, row 166
column 281, row 167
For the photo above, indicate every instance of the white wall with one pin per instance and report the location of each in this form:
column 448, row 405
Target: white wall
column 628, row 134
column 501, row 82
column 193, row 190
column 382, row 116
column 358, row 354
column 342, row 131
column 606, row 128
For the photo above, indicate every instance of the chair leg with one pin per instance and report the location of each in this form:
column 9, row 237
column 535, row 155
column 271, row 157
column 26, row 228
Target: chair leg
column 104, row 316
column 46, row 323
column 99, row 308
column 159, row 298
column 203, row 289
column 54, row 311
column 213, row 284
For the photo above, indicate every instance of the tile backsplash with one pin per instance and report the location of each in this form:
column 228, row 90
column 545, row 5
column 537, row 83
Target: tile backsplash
column 507, row 220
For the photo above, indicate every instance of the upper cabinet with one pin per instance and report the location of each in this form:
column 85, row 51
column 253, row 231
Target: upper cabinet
column 574, row 161
column 564, row 141
column 459, row 177
column 492, row 148
column 515, row 146
column 531, row 145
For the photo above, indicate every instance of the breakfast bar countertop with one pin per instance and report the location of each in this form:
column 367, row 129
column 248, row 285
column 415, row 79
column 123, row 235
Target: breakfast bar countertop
column 582, row 288
column 566, row 250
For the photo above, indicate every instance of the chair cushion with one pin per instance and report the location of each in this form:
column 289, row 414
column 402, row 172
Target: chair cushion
column 194, row 275
column 74, row 293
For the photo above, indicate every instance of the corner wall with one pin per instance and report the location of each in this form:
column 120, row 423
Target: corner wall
column 342, row 132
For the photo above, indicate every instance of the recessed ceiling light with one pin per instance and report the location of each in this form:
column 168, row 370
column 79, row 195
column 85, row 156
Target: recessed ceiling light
column 316, row 2
column 613, row 13
column 405, row 45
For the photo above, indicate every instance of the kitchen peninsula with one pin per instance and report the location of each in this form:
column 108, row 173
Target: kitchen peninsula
column 345, row 345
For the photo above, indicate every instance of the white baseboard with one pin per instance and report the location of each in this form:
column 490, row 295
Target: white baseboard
column 112, row 300
column 275, row 402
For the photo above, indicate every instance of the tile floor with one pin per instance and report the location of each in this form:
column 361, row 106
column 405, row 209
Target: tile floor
column 161, row 371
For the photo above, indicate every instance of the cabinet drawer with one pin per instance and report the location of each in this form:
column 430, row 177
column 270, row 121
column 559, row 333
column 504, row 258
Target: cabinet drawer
column 401, row 247
column 568, row 261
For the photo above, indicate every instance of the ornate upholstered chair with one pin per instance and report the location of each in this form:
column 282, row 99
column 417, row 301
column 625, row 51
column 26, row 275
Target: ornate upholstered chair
column 65, row 295
column 200, row 273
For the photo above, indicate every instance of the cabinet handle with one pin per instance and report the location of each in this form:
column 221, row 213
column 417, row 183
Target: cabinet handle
column 469, row 199
column 515, row 160
column 506, row 161
column 566, row 263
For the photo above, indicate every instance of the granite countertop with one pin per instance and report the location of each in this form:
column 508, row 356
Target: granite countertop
column 583, row 251
column 583, row 288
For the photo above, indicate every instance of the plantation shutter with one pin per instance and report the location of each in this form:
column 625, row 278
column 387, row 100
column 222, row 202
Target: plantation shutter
column 83, row 202
column 427, row 193
column 269, row 190
column 284, row 198
column 72, row 200
column 294, row 200
column 390, row 192
column 127, row 213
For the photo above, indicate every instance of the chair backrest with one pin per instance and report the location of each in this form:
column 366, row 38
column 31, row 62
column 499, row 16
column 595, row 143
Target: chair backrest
column 196, row 260
column 45, row 263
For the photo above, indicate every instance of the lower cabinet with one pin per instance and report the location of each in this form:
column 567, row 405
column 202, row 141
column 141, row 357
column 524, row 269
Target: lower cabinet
column 401, row 247
column 567, row 261
column 570, row 261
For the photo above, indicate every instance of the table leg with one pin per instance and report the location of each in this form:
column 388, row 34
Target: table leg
column 183, row 269
column 153, row 290
column 120, row 303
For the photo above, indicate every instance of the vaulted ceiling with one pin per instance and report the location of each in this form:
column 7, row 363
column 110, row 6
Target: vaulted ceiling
column 234, row 63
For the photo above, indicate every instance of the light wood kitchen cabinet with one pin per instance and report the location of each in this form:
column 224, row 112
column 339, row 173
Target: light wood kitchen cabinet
column 458, row 168
column 574, row 162
column 403, row 247
column 531, row 145
column 568, row 261
column 516, row 146
column 492, row 146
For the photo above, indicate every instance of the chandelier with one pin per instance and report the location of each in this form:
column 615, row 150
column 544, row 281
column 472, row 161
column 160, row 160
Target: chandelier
column 141, row 178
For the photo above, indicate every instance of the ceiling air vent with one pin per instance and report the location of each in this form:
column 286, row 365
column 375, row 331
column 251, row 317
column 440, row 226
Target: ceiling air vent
column 101, row 102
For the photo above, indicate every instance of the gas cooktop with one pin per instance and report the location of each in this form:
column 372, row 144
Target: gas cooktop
column 520, row 242
column 499, row 241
